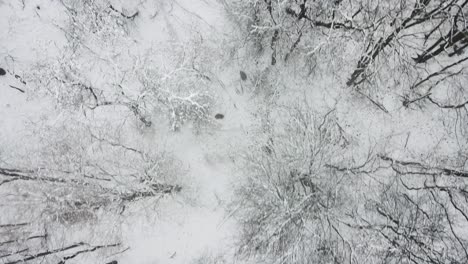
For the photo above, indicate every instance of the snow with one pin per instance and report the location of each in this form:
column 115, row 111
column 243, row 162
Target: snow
column 179, row 228
column 197, row 223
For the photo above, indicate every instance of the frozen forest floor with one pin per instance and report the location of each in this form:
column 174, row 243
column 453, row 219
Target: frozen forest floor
column 187, row 131
column 191, row 227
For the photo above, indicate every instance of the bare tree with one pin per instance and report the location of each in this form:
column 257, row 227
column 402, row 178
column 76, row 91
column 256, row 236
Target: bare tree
column 411, row 48
column 101, row 66
column 417, row 46
column 77, row 174
column 308, row 199
column 288, row 205
column 297, row 28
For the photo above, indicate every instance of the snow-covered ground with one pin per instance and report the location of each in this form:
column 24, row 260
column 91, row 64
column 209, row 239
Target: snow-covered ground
column 175, row 229
column 195, row 225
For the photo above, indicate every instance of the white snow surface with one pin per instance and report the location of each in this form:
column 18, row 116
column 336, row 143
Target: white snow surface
column 176, row 229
